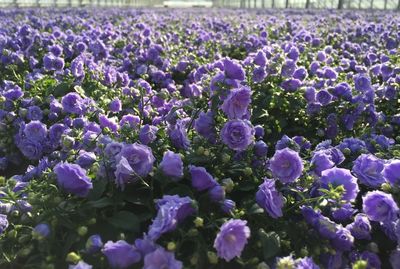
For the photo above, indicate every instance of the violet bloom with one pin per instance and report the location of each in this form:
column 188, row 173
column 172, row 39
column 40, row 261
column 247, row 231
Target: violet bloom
column 172, row 165
column 160, row 258
column 73, row 179
column 130, row 120
column 372, row 259
column 340, row 177
column 35, row 131
column 380, row 206
column 201, row 179
column 269, row 198
column 93, row 244
column 3, row 223
column 235, row 106
column 32, row 150
column 120, row 254
column 233, row 70
column 237, row 134
column 41, row 230
column 80, row 265
column 368, row 169
column 306, row 263
column 147, row 134
column 115, row 105
column 205, row 126
column 343, row 241
column 361, row 227
column 391, row 172
column 286, row 165
column 231, row 239
column 139, row 157
column 73, row 103
column 320, row 161
column 172, row 210
column 178, row 135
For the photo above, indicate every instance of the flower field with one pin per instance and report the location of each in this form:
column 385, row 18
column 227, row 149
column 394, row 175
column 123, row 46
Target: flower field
column 204, row 139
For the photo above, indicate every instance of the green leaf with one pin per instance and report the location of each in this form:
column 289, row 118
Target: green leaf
column 62, row 89
column 270, row 242
column 99, row 186
column 181, row 190
column 103, row 202
column 125, row 220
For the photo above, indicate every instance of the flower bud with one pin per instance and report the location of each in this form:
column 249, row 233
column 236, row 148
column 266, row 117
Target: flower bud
column 82, row 230
column 72, row 257
column 41, row 231
column 171, row 246
column 212, row 257
column 198, row 222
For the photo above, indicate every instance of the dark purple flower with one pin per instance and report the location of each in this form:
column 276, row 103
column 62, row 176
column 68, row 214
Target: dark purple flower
column 372, row 259
column 340, row 177
column 380, row 206
column 120, row 254
column 391, row 172
column 286, row 165
column 216, row 193
column 270, row 199
column 124, row 173
column 260, row 148
column 86, row 159
column 362, row 83
column 343, row 240
column 160, row 258
column 361, row 227
column 34, row 113
column 321, row 160
column 201, row 179
column 260, row 59
column 32, row 150
column 259, row 74
column 231, row 239
column 172, row 165
column 237, row 134
column 288, row 68
column 227, row 206
column 73, row 179
column 291, row 85
column 395, row 258
column 368, row 169
column 323, row 97
column 235, row 106
column 343, row 212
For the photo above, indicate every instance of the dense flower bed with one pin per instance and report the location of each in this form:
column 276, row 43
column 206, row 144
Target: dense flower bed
column 199, row 139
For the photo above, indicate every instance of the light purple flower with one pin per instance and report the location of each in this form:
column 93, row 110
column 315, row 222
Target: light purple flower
column 340, row 177
column 380, row 206
column 286, row 165
column 269, row 198
column 237, row 134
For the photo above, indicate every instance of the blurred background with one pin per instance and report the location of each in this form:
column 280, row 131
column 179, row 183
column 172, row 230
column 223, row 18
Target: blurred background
column 311, row 4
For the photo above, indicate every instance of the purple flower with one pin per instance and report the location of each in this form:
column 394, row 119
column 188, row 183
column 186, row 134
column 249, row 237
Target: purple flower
column 288, row 68
column 115, row 105
column 340, row 177
column 286, row 165
column 270, row 199
column 124, row 173
column 73, row 103
column 260, row 148
column 160, row 258
column 3, row 223
column 361, row 227
column 32, row 150
column 140, row 158
column 217, row 193
column 323, row 97
column 321, row 160
column 260, row 59
column 86, row 159
column 373, row 261
column 235, row 106
column 171, row 211
column 93, row 244
column 80, row 265
column 395, row 258
column 368, row 169
column 227, row 206
column 231, row 239
column 73, row 179
column 362, row 83
column 131, row 120
column 147, row 134
column 35, row 131
column 343, row 212
column 204, row 125
column 34, row 113
column 178, row 135
column 201, row 179
column 259, row 74
column 237, row 134
column 306, row 263
column 233, row 70
column 291, row 85
column 41, row 230
column 380, row 206
column 120, row 254
column 172, row 165
column 391, row 172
